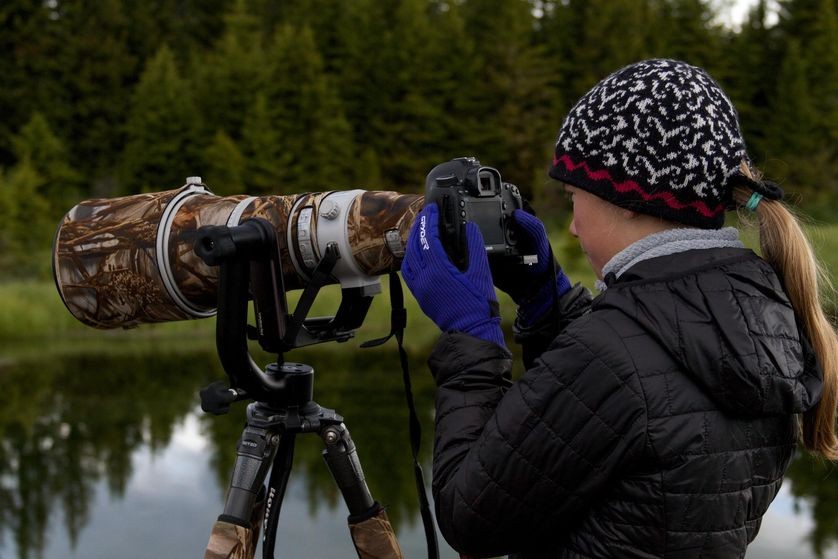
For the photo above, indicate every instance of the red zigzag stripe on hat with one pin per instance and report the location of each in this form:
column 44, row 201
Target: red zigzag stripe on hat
column 627, row 186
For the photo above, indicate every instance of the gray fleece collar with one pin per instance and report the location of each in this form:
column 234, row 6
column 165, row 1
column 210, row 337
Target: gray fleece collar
column 671, row 241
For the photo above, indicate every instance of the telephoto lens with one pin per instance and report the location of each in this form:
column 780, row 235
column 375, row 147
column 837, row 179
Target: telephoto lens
column 126, row 261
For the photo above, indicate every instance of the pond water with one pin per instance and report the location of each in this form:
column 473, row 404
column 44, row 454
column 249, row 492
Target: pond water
column 105, row 453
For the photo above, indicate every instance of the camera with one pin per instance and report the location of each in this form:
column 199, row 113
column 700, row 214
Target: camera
column 126, row 261
column 467, row 191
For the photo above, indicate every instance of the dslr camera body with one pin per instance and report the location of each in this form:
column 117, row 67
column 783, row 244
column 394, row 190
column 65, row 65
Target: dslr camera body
column 467, row 191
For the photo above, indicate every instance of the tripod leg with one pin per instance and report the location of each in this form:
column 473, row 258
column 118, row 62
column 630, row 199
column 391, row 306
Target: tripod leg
column 235, row 533
column 342, row 460
column 369, row 526
column 276, row 491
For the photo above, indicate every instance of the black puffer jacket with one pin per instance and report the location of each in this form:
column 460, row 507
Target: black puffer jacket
column 658, row 425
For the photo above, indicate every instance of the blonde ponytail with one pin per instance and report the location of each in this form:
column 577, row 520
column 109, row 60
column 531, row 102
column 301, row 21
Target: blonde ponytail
column 785, row 246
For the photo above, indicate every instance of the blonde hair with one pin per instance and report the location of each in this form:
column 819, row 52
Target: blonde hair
column 785, row 246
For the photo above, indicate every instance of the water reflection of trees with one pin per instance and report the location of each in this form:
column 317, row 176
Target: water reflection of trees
column 815, row 482
column 69, row 423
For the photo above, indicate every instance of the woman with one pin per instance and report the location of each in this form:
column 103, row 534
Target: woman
column 658, row 419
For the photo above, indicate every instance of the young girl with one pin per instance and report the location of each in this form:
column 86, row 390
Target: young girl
column 658, row 419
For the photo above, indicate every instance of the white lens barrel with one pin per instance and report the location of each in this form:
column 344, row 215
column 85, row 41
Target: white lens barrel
column 331, row 223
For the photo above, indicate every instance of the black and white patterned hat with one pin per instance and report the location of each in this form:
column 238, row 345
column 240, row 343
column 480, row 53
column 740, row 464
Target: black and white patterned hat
column 658, row 137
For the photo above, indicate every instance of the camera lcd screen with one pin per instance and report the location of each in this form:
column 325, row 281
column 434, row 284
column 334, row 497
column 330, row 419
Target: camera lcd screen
column 487, row 215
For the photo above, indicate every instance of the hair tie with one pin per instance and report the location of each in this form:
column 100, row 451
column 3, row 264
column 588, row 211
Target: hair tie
column 767, row 189
column 753, row 201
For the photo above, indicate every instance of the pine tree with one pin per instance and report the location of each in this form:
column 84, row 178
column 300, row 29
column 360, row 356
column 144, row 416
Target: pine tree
column 453, row 87
column 691, row 34
column 25, row 214
column 808, row 32
column 412, row 122
column 224, row 166
column 28, row 66
column 367, row 171
column 589, row 39
column 750, row 77
column 822, row 60
column 229, row 76
column 99, row 65
column 265, row 159
column 793, row 114
column 302, row 113
column 792, row 142
column 162, row 144
column 59, row 183
column 514, row 97
column 326, row 19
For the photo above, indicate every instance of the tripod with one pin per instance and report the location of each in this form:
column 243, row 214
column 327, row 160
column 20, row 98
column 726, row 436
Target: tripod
column 283, row 406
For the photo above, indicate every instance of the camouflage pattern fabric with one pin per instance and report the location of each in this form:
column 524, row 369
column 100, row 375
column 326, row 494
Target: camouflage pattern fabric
column 374, row 538
column 105, row 252
column 229, row 541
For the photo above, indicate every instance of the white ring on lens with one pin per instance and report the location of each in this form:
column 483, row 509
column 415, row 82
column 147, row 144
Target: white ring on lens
column 164, row 230
column 236, row 215
column 333, row 227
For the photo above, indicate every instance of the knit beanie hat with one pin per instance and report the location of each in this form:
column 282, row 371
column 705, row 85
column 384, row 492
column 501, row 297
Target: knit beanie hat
column 658, row 137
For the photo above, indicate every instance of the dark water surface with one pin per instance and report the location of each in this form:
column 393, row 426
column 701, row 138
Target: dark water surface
column 105, row 453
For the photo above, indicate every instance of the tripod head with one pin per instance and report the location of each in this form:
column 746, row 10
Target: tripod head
column 249, row 257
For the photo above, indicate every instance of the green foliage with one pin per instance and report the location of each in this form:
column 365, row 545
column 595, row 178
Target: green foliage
column 590, row 39
column 515, row 91
column 161, row 132
column 116, row 97
column 225, row 166
column 27, row 43
column 24, row 213
column 751, row 73
column 228, row 77
column 813, row 482
column 296, row 136
column 37, row 146
column 690, row 33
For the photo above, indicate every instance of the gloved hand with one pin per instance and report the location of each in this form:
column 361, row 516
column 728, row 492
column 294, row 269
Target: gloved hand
column 456, row 301
column 534, row 287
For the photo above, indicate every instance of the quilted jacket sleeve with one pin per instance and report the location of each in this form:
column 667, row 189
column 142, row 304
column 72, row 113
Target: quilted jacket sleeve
column 515, row 466
column 535, row 338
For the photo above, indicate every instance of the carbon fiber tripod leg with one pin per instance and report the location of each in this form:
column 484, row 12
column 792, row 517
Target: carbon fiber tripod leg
column 371, row 531
column 236, row 532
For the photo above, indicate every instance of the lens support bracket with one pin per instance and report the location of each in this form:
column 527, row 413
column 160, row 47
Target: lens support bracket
column 250, row 265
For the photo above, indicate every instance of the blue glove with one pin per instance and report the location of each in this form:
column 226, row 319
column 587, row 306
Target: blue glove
column 456, row 301
column 534, row 287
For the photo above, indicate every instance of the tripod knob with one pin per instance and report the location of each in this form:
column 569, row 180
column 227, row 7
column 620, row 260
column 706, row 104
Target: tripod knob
column 217, row 397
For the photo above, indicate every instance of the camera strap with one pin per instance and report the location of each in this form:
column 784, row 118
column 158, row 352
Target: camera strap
column 398, row 321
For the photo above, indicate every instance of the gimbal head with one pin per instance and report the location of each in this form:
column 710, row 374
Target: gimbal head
column 249, row 257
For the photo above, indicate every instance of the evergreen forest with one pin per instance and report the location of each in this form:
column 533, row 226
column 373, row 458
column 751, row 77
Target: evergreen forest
column 103, row 98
